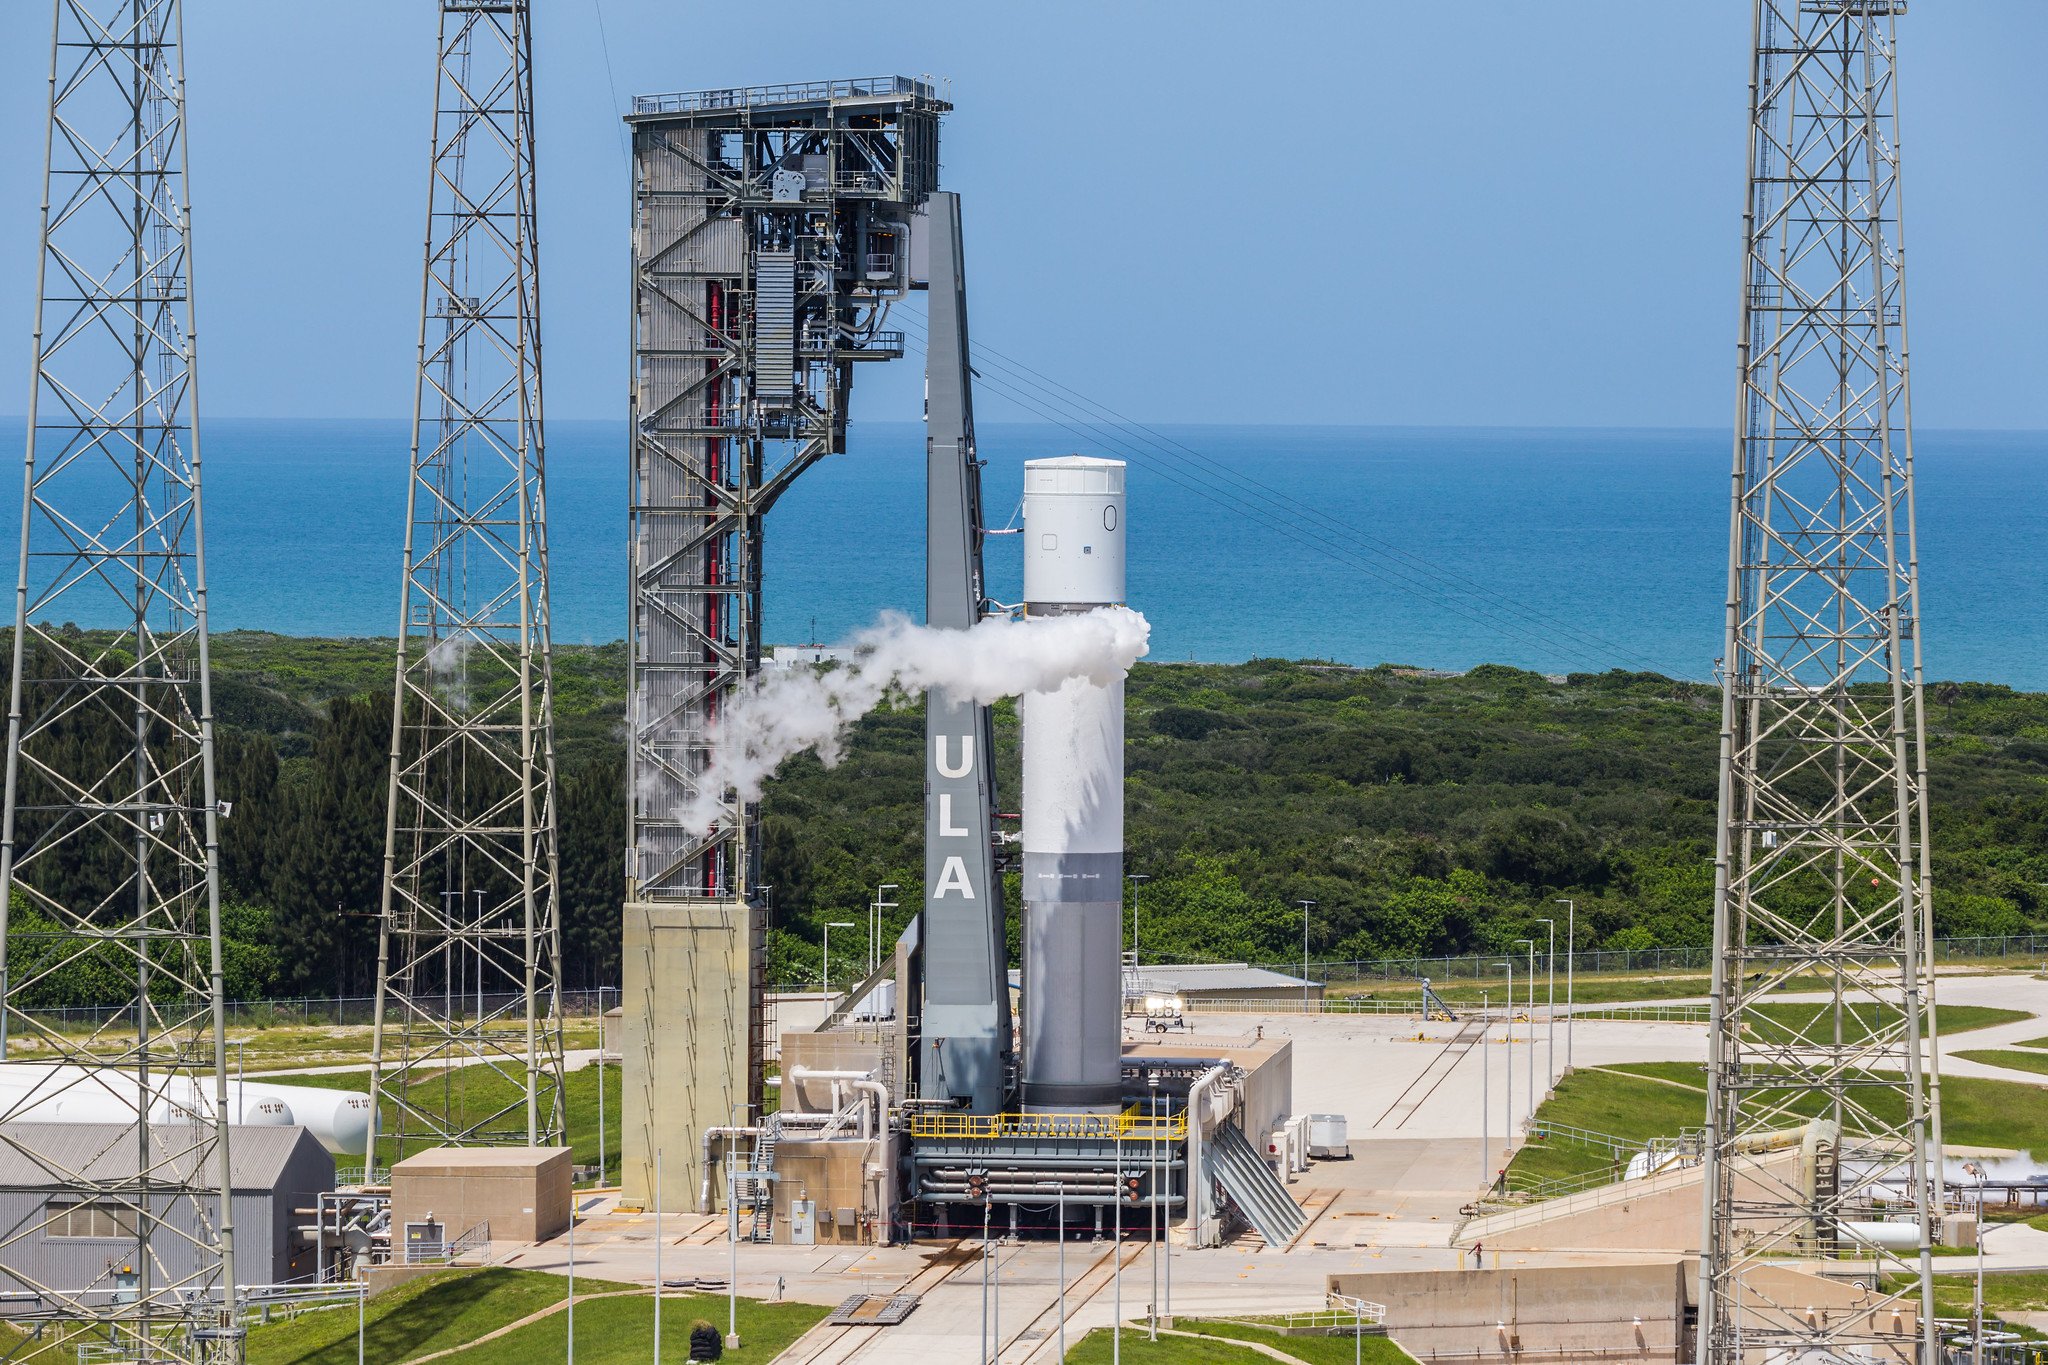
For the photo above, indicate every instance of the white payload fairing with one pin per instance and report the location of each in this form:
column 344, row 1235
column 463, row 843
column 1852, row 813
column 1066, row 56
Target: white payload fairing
column 1073, row 801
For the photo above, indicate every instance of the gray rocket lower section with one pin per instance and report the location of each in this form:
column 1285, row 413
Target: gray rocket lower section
column 1073, row 986
column 964, row 1044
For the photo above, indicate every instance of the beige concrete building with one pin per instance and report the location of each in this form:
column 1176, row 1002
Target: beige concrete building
column 522, row 1192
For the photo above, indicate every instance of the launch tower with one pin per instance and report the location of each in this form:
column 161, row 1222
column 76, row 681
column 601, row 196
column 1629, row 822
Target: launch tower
column 771, row 230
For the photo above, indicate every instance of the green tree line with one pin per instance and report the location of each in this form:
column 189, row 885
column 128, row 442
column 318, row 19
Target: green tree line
column 1424, row 814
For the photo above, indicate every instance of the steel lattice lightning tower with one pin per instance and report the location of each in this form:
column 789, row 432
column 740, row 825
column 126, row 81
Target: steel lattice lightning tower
column 469, row 956
column 1821, row 1118
column 109, row 833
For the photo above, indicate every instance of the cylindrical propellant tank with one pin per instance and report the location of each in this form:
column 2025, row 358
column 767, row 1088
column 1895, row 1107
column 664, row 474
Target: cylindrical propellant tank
column 1073, row 803
column 43, row 1093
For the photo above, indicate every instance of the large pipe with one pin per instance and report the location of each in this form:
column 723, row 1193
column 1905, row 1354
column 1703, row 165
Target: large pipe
column 1073, row 800
column 1198, row 1186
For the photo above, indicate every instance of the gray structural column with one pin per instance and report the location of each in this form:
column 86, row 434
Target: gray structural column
column 966, row 1013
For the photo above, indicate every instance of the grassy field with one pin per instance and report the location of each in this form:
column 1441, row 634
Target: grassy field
column 1784, row 1021
column 448, row 1310
column 430, row 1314
column 476, row 1091
column 1097, row 1349
column 1645, row 1100
column 621, row 1332
column 1954, row 1292
column 1588, row 990
column 2036, row 1062
column 1314, row 1350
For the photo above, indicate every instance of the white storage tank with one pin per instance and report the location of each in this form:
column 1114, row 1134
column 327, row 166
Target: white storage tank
column 1073, row 800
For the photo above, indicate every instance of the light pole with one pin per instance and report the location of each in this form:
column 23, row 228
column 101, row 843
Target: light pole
column 600, row 1085
column 987, row 1356
column 1977, row 1307
column 881, row 903
column 1571, row 951
column 835, row 924
column 1550, row 1004
column 730, row 1187
column 1152, row 1204
column 1136, row 879
column 1485, row 1094
column 1530, row 943
column 1306, row 906
column 1116, row 1255
column 1357, row 1307
column 1060, row 1186
column 572, row 1274
column 732, row 1235
column 1507, row 1106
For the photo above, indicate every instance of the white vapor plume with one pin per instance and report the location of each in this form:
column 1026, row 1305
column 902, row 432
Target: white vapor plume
column 783, row 712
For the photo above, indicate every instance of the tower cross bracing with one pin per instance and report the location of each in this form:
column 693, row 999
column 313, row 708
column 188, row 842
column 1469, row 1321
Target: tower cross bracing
column 468, row 1041
column 1822, row 1094
column 109, row 838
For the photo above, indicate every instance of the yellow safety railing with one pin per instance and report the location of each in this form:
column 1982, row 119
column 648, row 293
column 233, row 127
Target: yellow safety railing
column 1132, row 1125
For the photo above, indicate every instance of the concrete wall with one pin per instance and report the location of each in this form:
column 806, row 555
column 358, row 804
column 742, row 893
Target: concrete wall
column 682, row 1041
column 523, row 1193
column 1655, row 1213
column 1626, row 1311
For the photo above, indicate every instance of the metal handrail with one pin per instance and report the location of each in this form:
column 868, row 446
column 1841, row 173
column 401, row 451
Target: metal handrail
column 1542, row 1129
column 1132, row 1124
column 808, row 92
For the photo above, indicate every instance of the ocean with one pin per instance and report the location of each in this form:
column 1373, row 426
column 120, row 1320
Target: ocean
column 1555, row 550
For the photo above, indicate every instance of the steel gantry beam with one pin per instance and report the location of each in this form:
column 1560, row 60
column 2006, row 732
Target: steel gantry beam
column 468, row 1042
column 109, row 841
column 771, row 230
column 1822, row 1101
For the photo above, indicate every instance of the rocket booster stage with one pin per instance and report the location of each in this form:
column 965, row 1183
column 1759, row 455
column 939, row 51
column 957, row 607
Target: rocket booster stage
column 1073, row 800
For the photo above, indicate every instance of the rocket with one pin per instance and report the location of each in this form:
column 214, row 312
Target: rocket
column 1073, row 800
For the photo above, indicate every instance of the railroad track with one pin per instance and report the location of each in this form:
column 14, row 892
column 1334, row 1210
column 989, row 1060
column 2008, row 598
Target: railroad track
column 1410, row 1101
column 1040, row 1336
column 824, row 1345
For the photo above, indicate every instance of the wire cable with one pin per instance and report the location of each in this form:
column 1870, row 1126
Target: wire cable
column 1403, row 569
column 1188, row 469
column 1281, row 521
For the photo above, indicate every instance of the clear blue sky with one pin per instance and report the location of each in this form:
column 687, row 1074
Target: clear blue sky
column 1490, row 212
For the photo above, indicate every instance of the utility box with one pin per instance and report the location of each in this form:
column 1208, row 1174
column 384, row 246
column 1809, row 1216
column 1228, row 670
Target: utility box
column 1329, row 1137
column 522, row 1192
